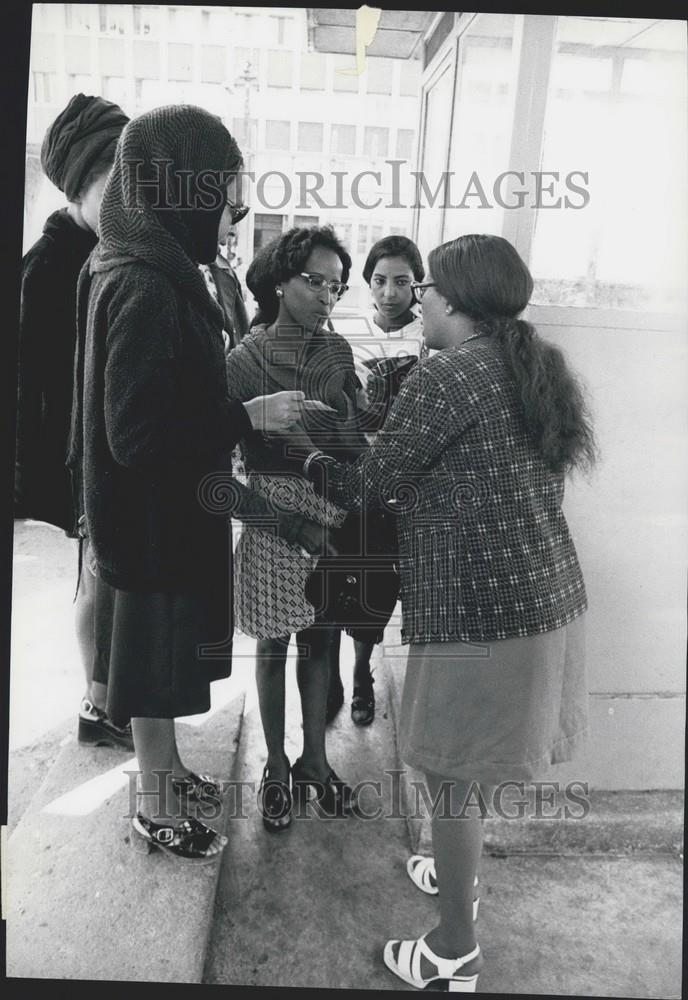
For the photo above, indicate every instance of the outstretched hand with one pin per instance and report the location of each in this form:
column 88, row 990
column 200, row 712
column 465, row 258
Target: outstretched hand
column 281, row 411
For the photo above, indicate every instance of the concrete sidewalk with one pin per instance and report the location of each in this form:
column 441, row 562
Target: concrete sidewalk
column 313, row 907
column 568, row 908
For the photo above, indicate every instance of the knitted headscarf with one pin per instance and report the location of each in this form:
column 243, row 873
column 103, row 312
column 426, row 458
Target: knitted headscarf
column 87, row 130
column 166, row 193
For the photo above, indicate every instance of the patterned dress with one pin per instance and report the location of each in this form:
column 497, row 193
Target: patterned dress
column 271, row 574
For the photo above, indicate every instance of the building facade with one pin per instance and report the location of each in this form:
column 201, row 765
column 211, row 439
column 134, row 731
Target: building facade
column 298, row 115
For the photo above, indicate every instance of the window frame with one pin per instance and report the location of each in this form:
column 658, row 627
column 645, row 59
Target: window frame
column 534, row 51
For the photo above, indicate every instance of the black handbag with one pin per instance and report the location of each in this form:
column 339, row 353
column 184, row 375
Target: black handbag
column 358, row 588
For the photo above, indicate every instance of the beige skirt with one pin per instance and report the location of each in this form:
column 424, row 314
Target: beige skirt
column 496, row 711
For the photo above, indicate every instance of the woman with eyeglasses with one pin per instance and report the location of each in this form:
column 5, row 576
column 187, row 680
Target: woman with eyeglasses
column 296, row 281
column 476, row 449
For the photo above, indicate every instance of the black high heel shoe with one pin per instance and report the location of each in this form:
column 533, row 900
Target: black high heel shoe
column 199, row 788
column 363, row 703
column 191, row 842
column 275, row 802
column 334, row 797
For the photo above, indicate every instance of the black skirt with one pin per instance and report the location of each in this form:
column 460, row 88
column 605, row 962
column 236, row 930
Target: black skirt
column 163, row 652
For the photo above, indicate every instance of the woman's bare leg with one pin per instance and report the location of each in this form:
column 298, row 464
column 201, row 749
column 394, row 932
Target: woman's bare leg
column 155, row 745
column 85, row 633
column 457, row 839
column 313, row 676
column 271, row 656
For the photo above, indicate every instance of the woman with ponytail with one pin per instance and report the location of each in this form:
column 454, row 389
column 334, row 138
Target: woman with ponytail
column 474, row 452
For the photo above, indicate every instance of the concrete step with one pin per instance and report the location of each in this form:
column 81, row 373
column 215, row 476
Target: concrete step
column 556, row 817
column 80, row 903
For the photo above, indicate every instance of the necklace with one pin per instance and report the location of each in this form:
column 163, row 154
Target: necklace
column 474, row 336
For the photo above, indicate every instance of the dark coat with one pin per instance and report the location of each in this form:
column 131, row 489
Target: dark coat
column 231, row 300
column 47, row 335
column 156, row 420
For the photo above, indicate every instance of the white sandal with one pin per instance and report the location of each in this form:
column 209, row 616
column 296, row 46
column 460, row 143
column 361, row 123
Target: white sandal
column 407, row 966
column 421, row 871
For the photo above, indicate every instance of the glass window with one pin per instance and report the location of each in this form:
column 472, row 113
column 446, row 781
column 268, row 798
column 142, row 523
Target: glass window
column 249, row 28
column 343, row 231
column 279, row 68
column 245, row 132
column 375, row 234
column 277, row 135
column 483, row 123
column 77, row 16
column 375, row 141
column 434, row 143
column 183, row 22
column 44, row 87
column 180, row 61
column 405, row 138
column 409, row 78
column 145, row 20
column 216, row 25
column 343, row 139
column 279, row 30
column 379, row 75
column 397, row 231
column 79, row 83
column 313, row 67
column 362, row 244
column 265, row 228
column 617, row 91
column 148, row 93
column 114, row 88
column 113, row 18
column 304, row 221
column 213, row 64
column 310, row 137
column 344, row 76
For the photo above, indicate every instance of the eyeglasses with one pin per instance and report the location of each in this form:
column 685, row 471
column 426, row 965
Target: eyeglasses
column 317, row 283
column 419, row 288
column 237, row 212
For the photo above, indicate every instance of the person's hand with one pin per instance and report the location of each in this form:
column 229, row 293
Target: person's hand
column 281, row 410
column 314, row 538
column 295, row 441
column 311, row 536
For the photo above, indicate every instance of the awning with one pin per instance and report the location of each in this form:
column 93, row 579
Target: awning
column 398, row 34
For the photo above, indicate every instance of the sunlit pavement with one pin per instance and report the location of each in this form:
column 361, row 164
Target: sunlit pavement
column 310, row 907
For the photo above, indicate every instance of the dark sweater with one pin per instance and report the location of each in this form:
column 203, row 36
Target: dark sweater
column 156, row 419
column 47, row 336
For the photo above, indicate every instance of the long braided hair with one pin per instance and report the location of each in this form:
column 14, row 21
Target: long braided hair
column 484, row 278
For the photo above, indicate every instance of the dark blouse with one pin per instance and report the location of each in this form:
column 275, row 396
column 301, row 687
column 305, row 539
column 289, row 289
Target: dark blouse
column 322, row 367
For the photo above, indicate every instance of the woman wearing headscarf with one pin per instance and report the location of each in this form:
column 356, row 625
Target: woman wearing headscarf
column 476, row 448
column 296, row 280
column 76, row 155
column 152, row 419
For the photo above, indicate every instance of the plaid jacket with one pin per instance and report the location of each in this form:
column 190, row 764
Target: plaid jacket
column 485, row 551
